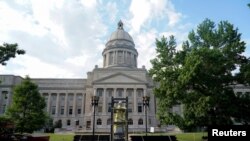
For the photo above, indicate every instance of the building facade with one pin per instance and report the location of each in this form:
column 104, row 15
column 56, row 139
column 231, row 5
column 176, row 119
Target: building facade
column 69, row 100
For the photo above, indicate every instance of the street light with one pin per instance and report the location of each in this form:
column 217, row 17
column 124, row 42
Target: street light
column 94, row 102
column 146, row 104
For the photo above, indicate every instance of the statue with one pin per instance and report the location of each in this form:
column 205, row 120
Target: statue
column 119, row 122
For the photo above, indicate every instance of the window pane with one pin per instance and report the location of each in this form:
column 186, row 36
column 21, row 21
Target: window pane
column 62, row 110
column 53, row 111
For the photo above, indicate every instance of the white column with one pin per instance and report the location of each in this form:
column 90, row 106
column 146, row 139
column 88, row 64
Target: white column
column 57, row 104
column 48, row 104
column 104, row 101
column 66, row 104
column 131, row 58
column 95, row 91
column 74, row 105
column 135, row 101
column 114, row 94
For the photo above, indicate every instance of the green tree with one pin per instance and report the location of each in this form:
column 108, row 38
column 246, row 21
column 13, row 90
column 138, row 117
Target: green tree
column 27, row 108
column 8, row 51
column 201, row 77
column 6, row 125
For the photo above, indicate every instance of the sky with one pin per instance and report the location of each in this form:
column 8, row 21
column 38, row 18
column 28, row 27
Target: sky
column 65, row 38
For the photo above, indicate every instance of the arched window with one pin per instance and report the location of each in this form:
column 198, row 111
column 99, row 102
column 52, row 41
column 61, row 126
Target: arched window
column 99, row 121
column 130, row 121
column 140, row 121
column 108, row 121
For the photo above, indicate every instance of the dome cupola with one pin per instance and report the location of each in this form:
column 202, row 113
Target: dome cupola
column 120, row 50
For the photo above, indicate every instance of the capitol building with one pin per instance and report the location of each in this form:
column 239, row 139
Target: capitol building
column 69, row 100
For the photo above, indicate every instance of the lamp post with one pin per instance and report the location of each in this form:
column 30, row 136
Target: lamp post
column 146, row 104
column 94, row 102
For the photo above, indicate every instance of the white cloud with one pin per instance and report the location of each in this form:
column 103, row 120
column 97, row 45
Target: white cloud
column 89, row 3
column 112, row 8
column 35, row 67
column 144, row 11
column 140, row 10
column 145, row 45
column 60, row 34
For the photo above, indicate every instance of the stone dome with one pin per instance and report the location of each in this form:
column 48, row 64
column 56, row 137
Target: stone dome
column 120, row 38
column 120, row 50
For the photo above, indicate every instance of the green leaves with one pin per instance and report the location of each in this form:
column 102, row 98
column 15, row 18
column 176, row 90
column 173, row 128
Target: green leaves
column 8, row 51
column 200, row 76
column 27, row 107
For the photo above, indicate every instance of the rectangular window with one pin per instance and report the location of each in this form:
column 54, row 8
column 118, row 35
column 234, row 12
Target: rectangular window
column 129, row 58
column 88, row 124
column 62, row 98
column 68, row 122
column 3, row 109
column 130, row 108
column 70, row 110
column 71, row 97
column 46, row 98
column 5, row 94
column 109, row 107
column 99, row 92
column 53, row 97
column 110, row 93
column 79, row 111
column 62, row 110
column 110, row 58
column 100, row 109
column 119, row 92
column 119, row 57
column 53, row 110
column 139, row 92
column 130, row 93
column 77, row 122
column 79, row 98
column 139, row 107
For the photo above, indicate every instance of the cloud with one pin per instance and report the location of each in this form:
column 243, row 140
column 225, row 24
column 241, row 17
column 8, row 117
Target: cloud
column 145, row 45
column 144, row 11
column 35, row 67
column 112, row 8
column 55, row 33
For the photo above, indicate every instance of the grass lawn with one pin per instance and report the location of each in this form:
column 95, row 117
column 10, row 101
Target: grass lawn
column 180, row 136
column 190, row 136
column 61, row 137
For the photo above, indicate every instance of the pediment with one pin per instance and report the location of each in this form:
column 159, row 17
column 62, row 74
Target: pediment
column 119, row 78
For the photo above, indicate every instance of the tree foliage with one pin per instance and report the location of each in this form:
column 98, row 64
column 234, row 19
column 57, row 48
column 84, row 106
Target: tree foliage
column 27, row 108
column 8, row 51
column 200, row 77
